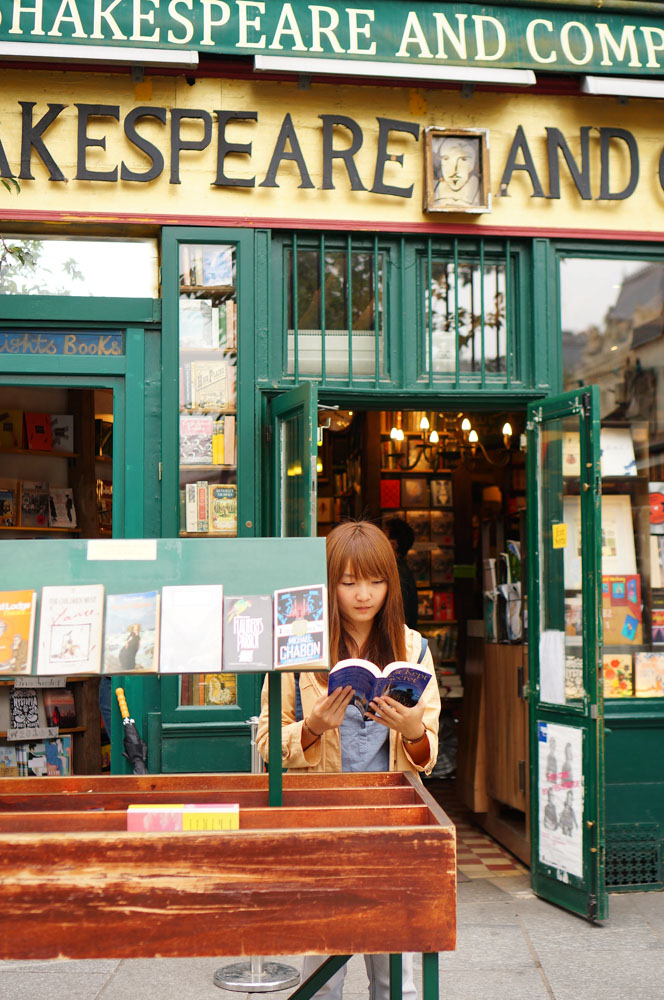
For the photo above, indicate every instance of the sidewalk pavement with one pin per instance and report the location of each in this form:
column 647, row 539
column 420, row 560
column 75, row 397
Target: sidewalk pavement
column 511, row 946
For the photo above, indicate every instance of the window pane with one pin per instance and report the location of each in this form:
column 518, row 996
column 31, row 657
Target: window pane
column 335, row 294
column 613, row 336
column 63, row 266
column 456, row 304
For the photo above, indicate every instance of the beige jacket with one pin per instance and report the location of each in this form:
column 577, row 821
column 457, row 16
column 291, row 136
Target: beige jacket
column 325, row 753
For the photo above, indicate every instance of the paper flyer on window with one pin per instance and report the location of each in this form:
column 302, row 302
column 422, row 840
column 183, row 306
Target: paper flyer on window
column 560, row 769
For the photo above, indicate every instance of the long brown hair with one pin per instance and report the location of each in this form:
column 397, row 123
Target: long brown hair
column 363, row 547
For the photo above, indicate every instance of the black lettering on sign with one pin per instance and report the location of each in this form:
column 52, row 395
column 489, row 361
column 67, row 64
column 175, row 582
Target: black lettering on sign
column 520, row 145
column 605, row 137
column 178, row 143
column 154, row 154
column 31, row 138
column 224, row 147
column 347, row 154
column 287, row 134
column 556, row 141
column 385, row 126
column 85, row 112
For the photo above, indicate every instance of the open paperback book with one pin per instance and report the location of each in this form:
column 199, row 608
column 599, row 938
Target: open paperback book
column 400, row 680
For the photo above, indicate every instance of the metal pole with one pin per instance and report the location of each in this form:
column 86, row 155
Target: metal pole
column 256, row 975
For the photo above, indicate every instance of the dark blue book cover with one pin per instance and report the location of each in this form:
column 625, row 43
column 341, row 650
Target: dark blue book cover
column 402, row 681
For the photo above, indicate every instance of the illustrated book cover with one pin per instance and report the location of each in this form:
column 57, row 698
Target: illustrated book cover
column 62, row 431
column 442, row 527
column 618, row 676
column 414, row 493
column 621, row 610
column 223, row 509
column 8, row 502
column 61, row 509
column 23, row 708
column 8, row 762
column 17, row 628
column 11, row 428
column 34, row 504
column 649, row 675
column 441, row 492
column 248, row 633
column 300, row 628
column 191, row 629
column 59, row 707
column 210, row 385
column 657, row 615
column 196, row 328
column 38, row 431
column 196, row 440
column 70, row 630
column 176, row 817
column 400, row 680
column 131, row 633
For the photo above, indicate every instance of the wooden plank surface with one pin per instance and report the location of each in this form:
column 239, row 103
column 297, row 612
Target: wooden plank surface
column 303, row 886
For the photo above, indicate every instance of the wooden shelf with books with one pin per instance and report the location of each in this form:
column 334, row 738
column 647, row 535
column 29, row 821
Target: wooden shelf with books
column 34, row 529
column 214, row 290
column 39, row 453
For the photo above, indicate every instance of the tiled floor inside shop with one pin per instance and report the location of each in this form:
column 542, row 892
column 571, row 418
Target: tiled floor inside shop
column 478, row 855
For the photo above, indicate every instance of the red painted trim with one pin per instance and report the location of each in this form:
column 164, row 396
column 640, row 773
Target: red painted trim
column 345, row 225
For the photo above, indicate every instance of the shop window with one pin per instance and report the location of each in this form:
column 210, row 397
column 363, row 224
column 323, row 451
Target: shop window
column 126, row 268
column 207, row 317
column 614, row 337
column 335, row 311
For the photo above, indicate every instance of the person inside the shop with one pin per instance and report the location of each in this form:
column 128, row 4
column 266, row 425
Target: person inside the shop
column 322, row 732
column 402, row 536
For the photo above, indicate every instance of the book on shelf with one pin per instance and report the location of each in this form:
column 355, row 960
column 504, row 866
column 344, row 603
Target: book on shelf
column 441, row 492
column 195, row 440
column 443, row 605
column 248, row 633
column 196, row 328
column 218, row 442
column 649, row 675
column 425, row 604
column 45, row 757
column 657, row 616
column 8, row 502
column 38, row 431
column 23, row 708
column 618, row 675
column 179, row 818
column 17, row 628
column 420, row 522
column 617, row 452
column 390, row 493
column 62, row 431
column 402, row 681
column 131, row 633
column 202, row 507
column 59, row 707
column 490, row 609
column 442, row 527
column 419, row 563
column 621, row 610
column 105, row 504
column 442, row 641
column 573, row 688
column 414, row 492
column 573, row 618
column 103, row 438
column 442, row 566
column 61, row 509
column 210, row 385
column 656, row 500
column 217, row 266
column 489, row 579
column 509, row 612
column 190, row 508
column 11, row 428
column 301, row 628
column 34, row 507
column 229, row 440
column 223, row 509
column 70, row 630
column 8, row 762
column 191, row 629
column 228, row 325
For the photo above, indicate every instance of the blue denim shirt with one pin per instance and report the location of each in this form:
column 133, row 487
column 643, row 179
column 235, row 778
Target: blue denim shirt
column 365, row 746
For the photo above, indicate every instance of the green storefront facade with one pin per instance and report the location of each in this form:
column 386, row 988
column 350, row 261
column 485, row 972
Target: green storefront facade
column 575, row 215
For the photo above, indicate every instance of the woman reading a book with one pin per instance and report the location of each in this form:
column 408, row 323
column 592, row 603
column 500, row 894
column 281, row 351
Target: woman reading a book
column 322, row 732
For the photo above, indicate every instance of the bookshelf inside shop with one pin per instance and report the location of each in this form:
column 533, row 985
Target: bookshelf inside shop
column 207, row 391
column 56, row 449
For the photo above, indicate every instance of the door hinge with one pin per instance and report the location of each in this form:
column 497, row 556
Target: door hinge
column 593, row 711
column 160, row 470
column 522, row 775
column 592, row 906
column 268, row 433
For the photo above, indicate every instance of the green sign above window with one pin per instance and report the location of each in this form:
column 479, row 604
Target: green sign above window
column 557, row 39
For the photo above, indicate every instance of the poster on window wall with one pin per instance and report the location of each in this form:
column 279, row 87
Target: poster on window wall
column 560, row 778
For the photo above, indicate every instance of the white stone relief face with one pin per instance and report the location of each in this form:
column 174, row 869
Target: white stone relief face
column 457, row 160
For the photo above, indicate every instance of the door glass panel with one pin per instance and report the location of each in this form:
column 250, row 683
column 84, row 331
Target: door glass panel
column 614, row 339
column 208, row 428
column 61, row 265
column 561, row 600
column 293, row 479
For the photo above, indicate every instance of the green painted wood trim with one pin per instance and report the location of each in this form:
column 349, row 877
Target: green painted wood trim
column 300, row 404
column 201, row 717
column 19, row 364
column 135, row 425
column 396, row 971
column 430, row 977
column 62, row 310
column 275, row 785
column 324, row 972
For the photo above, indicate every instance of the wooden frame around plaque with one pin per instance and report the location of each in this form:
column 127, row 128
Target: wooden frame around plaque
column 456, row 170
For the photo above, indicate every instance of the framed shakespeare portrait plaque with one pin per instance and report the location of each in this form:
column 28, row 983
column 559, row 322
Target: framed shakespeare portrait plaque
column 456, row 170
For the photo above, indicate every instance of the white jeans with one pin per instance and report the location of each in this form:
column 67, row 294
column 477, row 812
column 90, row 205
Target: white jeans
column 378, row 971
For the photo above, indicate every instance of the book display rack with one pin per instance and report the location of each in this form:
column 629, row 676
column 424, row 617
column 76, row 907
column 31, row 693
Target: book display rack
column 52, row 828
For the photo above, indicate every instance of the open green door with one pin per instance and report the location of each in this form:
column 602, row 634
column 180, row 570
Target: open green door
column 294, row 424
column 565, row 634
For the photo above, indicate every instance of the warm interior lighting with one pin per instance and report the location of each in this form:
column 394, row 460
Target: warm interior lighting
column 433, row 437
column 319, row 465
column 424, row 424
column 465, row 425
column 507, row 429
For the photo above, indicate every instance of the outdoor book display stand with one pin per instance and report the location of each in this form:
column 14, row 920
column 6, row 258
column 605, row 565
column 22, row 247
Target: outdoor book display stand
column 312, row 853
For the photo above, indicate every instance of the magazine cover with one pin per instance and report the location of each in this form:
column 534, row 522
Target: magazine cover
column 131, row 633
column 70, row 630
column 300, row 628
column 17, row 626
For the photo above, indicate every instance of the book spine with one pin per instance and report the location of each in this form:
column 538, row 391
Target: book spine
column 202, row 515
column 229, row 440
column 191, row 507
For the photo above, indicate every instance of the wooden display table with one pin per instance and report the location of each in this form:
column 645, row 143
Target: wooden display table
column 351, row 863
